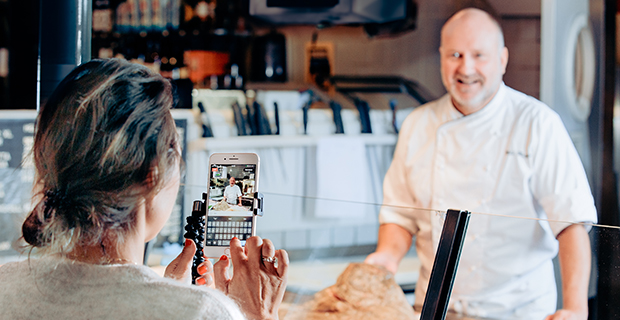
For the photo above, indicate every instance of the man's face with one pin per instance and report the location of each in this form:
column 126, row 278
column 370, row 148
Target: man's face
column 472, row 62
column 232, row 181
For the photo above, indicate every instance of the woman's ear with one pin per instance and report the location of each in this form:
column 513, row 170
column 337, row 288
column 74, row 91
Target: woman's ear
column 152, row 177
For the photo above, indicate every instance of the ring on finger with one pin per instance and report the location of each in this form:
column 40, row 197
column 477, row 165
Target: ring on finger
column 273, row 260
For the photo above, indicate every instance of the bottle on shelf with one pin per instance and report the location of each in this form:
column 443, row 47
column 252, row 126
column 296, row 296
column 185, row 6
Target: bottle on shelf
column 203, row 40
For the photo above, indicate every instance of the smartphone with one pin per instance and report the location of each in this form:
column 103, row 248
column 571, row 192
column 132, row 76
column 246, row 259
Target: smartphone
column 232, row 183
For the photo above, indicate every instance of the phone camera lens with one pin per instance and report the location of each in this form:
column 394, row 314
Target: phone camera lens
column 224, row 158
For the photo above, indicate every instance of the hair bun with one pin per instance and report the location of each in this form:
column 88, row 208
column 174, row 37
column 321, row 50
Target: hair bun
column 31, row 229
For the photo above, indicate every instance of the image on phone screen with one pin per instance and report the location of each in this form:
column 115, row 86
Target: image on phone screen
column 231, row 196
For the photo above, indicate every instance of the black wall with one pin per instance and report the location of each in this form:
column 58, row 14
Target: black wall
column 23, row 44
column 605, row 241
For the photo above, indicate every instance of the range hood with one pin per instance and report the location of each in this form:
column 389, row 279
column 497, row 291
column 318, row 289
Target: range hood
column 328, row 11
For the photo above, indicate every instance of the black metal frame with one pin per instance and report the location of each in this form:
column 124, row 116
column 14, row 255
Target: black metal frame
column 445, row 266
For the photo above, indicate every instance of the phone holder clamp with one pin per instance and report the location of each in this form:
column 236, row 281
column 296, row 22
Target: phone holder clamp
column 257, row 205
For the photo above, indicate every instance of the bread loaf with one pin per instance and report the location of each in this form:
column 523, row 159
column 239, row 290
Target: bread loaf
column 361, row 292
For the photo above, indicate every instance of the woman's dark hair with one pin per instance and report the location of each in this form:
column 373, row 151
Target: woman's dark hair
column 104, row 141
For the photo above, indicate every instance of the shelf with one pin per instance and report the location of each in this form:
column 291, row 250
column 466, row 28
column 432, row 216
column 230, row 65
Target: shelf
column 273, row 141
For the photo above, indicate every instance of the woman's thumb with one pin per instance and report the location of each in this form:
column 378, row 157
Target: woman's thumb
column 181, row 266
column 188, row 252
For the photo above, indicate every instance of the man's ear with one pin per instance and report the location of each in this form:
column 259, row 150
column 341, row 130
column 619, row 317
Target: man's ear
column 504, row 59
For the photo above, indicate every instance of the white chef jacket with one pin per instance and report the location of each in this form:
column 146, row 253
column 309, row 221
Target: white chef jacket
column 513, row 157
column 232, row 194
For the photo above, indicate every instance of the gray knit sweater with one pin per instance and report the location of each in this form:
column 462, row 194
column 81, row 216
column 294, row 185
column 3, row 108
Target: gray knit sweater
column 56, row 288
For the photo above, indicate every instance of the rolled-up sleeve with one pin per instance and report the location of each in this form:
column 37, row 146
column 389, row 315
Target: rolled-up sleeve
column 559, row 182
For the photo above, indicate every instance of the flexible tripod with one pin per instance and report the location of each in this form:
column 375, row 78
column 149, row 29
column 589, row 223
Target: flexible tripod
column 195, row 227
column 195, row 230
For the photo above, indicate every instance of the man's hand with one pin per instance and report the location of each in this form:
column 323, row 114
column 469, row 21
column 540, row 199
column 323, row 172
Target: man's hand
column 394, row 242
column 564, row 314
column 383, row 259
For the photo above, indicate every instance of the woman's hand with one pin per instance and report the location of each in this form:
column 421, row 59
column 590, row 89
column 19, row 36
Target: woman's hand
column 181, row 267
column 257, row 285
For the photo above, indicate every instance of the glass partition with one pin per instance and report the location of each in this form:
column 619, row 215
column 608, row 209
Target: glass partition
column 326, row 237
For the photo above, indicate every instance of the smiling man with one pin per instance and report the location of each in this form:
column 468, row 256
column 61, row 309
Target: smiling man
column 232, row 193
column 487, row 148
column 473, row 59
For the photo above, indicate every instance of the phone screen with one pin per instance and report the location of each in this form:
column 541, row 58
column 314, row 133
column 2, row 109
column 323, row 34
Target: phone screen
column 231, row 196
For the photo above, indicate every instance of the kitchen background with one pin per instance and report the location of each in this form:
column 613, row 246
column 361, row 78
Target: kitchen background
column 318, row 93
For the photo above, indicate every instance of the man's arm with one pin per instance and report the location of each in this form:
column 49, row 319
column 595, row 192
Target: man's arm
column 393, row 244
column 575, row 259
column 239, row 195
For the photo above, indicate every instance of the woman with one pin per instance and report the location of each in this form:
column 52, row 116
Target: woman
column 107, row 165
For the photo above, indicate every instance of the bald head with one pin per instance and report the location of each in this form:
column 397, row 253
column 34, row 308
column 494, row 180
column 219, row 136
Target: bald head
column 473, row 18
column 473, row 59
